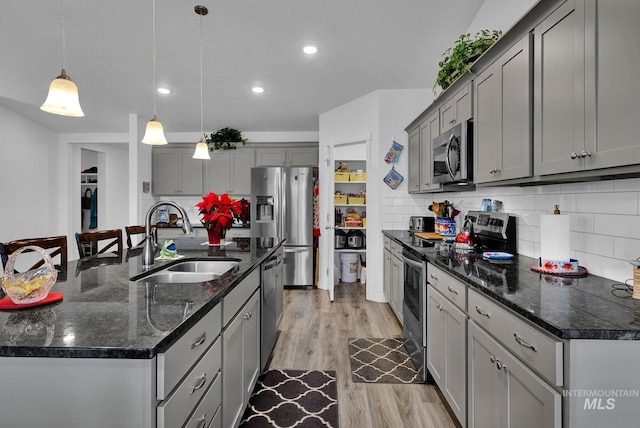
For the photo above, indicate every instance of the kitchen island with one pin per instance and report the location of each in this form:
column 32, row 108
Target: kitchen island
column 106, row 354
column 576, row 340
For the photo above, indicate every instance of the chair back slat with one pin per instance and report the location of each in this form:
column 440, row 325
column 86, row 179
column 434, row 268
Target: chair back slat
column 112, row 237
column 57, row 243
column 139, row 230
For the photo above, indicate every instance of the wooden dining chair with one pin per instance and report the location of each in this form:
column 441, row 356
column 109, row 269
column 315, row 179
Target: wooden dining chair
column 58, row 245
column 91, row 240
column 139, row 230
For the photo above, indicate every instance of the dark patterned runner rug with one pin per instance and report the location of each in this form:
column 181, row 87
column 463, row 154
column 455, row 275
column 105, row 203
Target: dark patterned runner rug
column 293, row 398
column 381, row 361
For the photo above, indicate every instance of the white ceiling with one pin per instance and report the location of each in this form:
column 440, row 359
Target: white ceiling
column 364, row 45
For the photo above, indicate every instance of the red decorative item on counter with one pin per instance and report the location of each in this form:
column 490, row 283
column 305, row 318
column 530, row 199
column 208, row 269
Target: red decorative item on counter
column 218, row 214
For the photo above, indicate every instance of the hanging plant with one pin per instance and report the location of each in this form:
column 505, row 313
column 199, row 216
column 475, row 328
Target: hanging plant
column 458, row 59
column 225, row 139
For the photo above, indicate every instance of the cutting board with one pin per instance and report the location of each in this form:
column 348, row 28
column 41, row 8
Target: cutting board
column 428, row 235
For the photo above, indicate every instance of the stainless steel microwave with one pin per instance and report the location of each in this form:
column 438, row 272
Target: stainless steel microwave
column 453, row 155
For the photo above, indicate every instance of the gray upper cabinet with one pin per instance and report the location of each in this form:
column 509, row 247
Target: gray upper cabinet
column 456, row 109
column 175, row 172
column 611, row 76
column 502, row 116
column 229, row 171
column 413, row 178
column 429, row 129
column 291, row 156
column 420, row 137
column 559, row 91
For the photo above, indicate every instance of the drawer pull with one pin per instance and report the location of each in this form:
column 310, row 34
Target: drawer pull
column 523, row 343
column 202, row 422
column 433, row 276
column 440, row 307
column 201, row 382
column 200, row 340
column 454, row 291
column 499, row 365
column 482, row 312
column 492, row 359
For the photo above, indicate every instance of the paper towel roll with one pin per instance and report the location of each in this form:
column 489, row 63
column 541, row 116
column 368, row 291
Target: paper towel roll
column 555, row 237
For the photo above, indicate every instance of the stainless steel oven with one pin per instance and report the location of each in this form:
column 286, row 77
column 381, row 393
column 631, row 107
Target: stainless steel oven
column 414, row 324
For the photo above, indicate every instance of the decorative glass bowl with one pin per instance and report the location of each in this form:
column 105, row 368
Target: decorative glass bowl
column 30, row 286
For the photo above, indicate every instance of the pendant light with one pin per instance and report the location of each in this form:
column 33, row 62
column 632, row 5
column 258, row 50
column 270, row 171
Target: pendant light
column 154, row 134
column 62, row 98
column 202, row 149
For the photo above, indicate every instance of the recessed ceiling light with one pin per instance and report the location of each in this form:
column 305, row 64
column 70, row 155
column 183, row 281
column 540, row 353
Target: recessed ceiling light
column 310, row 49
column 164, row 91
column 257, row 89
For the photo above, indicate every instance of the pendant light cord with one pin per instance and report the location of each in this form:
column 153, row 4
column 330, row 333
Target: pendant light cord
column 153, row 26
column 63, row 37
column 201, row 97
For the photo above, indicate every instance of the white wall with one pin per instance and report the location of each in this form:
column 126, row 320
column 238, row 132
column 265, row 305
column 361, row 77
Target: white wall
column 28, row 181
column 499, row 14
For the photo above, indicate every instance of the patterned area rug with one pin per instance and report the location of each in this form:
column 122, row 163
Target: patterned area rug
column 293, row 398
column 381, row 361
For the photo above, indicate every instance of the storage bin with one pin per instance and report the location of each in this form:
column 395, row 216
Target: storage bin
column 341, row 176
column 356, row 200
column 358, row 176
column 340, row 199
column 353, row 223
column 349, row 267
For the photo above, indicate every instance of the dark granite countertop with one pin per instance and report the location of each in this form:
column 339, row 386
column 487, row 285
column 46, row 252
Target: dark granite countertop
column 570, row 308
column 106, row 315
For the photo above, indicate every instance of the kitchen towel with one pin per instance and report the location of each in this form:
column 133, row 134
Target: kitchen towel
column 393, row 178
column 393, row 154
column 555, row 237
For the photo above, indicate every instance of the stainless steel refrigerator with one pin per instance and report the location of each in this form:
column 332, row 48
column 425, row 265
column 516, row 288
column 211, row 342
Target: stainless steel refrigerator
column 282, row 206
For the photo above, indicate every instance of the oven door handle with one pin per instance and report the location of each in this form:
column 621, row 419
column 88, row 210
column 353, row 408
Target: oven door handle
column 447, row 161
column 412, row 263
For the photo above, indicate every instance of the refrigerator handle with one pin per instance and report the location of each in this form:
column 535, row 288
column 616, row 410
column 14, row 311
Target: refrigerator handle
column 282, row 227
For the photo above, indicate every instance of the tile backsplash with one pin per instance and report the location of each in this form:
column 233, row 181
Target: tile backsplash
column 605, row 218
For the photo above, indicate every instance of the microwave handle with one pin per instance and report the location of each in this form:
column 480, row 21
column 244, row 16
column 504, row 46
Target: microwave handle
column 447, row 162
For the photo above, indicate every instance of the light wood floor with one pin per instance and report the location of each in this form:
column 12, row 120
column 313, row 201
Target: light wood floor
column 313, row 336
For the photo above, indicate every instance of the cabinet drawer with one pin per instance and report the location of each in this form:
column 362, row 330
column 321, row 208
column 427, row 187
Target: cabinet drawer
column 538, row 350
column 180, row 357
column 233, row 301
column 450, row 287
column 396, row 249
column 174, row 411
column 209, row 407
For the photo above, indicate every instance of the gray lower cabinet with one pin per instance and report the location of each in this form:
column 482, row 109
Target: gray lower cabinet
column 229, row 171
column 502, row 116
column 394, row 276
column 175, row 172
column 446, row 351
column 503, row 392
column 240, row 348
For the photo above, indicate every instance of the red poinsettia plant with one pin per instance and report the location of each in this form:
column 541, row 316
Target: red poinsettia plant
column 218, row 211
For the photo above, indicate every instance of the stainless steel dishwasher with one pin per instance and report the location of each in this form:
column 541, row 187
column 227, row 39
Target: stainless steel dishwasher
column 269, row 306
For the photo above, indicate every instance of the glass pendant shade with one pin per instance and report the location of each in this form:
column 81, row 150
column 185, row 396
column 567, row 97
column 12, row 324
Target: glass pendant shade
column 202, row 150
column 154, row 135
column 63, row 97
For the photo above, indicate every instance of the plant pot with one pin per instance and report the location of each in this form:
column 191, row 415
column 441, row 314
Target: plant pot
column 216, row 234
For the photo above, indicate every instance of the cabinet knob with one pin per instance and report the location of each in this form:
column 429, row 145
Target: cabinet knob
column 246, row 317
column 492, row 359
column 574, row 155
column 584, row 154
column 499, row 365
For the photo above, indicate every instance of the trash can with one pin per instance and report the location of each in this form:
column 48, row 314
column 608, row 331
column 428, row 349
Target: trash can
column 349, row 267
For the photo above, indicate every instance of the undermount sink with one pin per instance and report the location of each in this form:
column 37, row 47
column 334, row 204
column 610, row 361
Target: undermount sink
column 191, row 271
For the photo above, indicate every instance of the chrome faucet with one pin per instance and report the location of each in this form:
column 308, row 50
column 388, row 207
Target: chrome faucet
column 150, row 244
